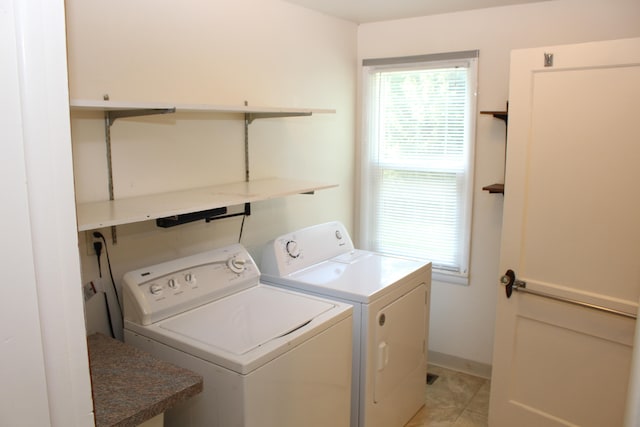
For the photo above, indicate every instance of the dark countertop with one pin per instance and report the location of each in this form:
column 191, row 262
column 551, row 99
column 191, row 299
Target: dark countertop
column 131, row 386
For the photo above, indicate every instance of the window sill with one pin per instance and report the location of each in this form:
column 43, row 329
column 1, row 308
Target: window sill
column 447, row 277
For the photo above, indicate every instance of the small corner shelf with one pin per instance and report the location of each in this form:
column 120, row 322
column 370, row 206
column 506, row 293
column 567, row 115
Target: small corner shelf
column 114, row 211
column 504, row 116
column 494, row 188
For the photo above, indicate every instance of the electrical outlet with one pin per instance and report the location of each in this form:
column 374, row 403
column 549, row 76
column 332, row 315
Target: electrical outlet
column 89, row 239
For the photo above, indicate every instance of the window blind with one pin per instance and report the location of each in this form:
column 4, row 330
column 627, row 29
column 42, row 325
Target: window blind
column 417, row 170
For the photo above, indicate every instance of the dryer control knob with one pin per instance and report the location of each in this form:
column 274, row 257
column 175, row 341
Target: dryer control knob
column 292, row 249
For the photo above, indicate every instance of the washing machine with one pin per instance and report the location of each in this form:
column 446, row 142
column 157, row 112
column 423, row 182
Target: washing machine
column 390, row 298
column 269, row 357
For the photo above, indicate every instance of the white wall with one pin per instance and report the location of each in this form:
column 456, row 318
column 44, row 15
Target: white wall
column 267, row 52
column 462, row 318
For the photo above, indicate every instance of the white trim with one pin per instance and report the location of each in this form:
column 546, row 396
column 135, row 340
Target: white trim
column 44, row 105
column 445, row 277
column 460, row 364
column 445, row 56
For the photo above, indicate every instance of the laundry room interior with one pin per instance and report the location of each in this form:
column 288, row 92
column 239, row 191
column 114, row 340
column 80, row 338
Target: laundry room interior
column 282, row 55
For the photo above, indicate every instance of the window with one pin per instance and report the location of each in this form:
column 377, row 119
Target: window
column 417, row 159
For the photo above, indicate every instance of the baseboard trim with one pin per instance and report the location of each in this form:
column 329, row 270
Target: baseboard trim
column 455, row 363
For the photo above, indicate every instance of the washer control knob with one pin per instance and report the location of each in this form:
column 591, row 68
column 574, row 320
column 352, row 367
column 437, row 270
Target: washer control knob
column 173, row 284
column 190, row 278
column 237, row 265
column 155, row 289
column 292, row 249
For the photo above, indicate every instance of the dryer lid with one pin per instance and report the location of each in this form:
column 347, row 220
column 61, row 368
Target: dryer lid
column 359, row 276
column 246, row 320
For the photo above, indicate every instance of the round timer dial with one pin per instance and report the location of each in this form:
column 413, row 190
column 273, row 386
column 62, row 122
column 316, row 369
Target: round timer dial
column 155, row 289
column 292, row 249
column 237, row 265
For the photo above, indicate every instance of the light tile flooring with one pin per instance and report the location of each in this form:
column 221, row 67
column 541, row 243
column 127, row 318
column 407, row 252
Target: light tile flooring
column 455, row 399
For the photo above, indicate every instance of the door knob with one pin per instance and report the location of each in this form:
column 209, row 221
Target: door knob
column 510, row 282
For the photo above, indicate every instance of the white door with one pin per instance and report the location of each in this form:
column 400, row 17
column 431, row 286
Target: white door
column 400, row 331
column 571, row 229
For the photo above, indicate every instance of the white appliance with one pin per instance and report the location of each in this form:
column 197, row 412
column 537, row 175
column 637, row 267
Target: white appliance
column 391, row 298
column 269, row 357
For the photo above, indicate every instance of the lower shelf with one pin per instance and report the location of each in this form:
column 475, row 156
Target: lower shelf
column 494, row 188
column 95, row 215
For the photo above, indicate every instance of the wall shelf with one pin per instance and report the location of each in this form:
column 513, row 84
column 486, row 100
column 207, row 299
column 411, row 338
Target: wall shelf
column 504, row 116
column 494, row 188
column 128, row 210
column 157, row 108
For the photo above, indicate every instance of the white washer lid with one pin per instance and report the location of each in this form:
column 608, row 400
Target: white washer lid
column 248, row 319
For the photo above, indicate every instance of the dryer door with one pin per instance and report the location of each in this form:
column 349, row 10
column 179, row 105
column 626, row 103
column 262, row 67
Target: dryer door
column 400, row 334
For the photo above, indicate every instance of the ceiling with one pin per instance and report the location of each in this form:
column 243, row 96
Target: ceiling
column 361, row 11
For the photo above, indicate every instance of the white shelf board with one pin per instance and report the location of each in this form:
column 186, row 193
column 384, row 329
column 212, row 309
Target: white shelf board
column 91, row 105
column 94, row 215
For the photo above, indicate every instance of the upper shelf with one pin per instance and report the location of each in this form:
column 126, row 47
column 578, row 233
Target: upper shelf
column 90, row 105
column 135, row 209
column 101, row 214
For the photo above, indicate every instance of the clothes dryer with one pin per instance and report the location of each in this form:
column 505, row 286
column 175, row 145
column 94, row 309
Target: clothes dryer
column 269, row 357
column 390, row 297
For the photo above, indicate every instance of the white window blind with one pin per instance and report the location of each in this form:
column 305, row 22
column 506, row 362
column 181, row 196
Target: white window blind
column 417, row 158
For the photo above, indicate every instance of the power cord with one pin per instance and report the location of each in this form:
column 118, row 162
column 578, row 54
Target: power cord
column 241, row 228
column 98, row 248
column 246, row 213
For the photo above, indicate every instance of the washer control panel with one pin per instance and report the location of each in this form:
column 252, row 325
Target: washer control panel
column 156, row 292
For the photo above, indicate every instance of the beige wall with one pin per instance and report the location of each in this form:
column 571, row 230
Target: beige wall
column 223, row 52
column 462, row 317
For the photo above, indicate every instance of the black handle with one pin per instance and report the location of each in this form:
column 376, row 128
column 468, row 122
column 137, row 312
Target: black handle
column 508, row 279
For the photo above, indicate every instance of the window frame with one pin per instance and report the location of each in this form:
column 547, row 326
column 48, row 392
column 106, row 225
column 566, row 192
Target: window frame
column 368, row 182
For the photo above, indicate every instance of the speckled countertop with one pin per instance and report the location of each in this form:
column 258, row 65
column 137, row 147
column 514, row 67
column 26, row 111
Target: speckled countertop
column 131, row 386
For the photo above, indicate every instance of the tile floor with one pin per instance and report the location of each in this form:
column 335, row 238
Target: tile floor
column 454, row 399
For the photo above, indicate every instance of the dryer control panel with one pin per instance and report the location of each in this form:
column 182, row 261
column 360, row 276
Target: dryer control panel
column 303, row 248
column 159, row 291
